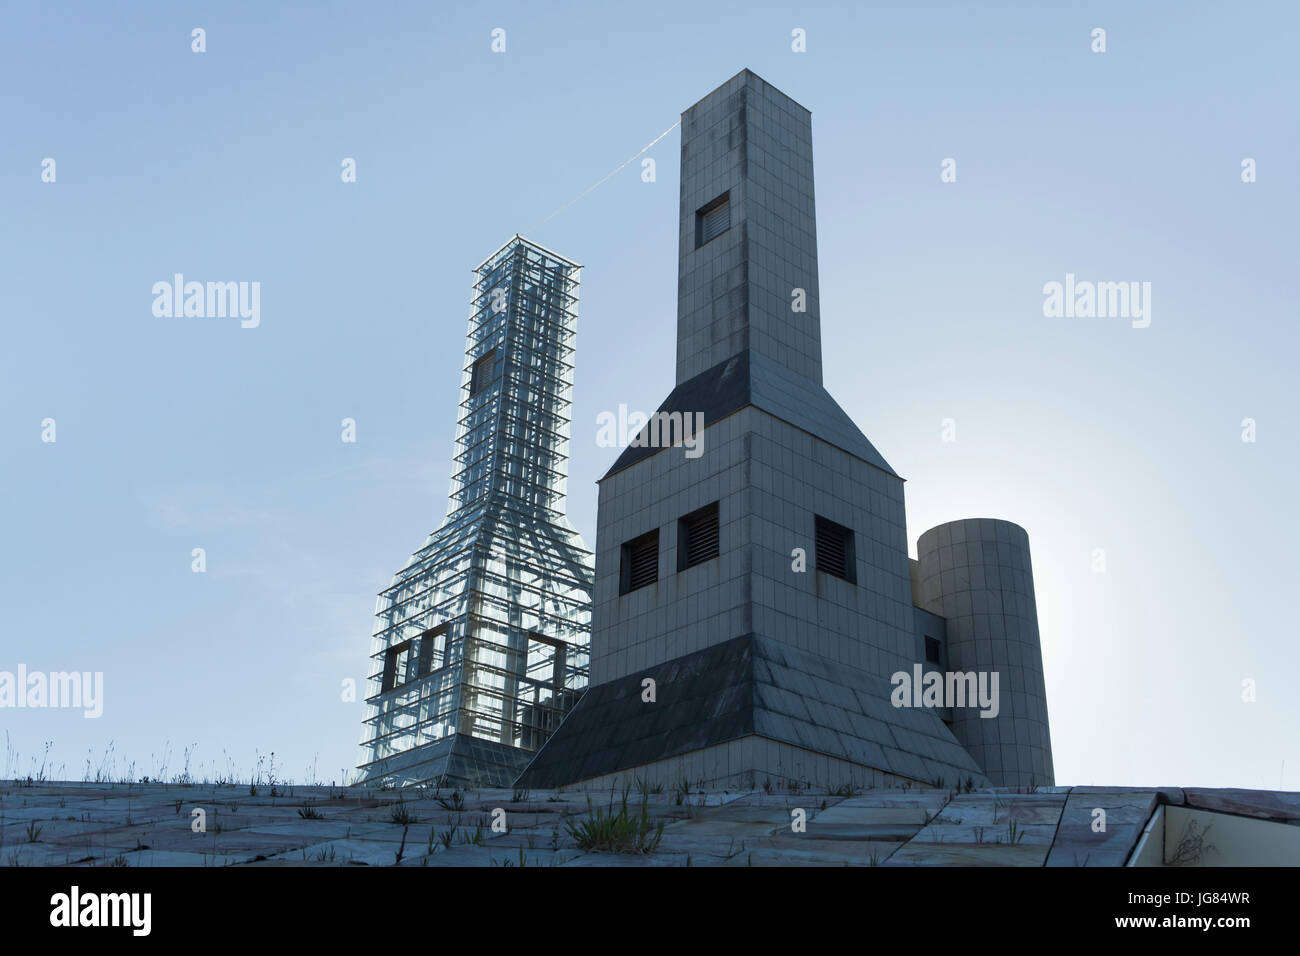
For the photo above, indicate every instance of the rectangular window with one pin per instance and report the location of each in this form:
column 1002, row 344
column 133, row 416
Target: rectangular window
column 482, row 374
column 544, row 694
column 933, row 651
column 395, row 662
column 432, row 649
column 697, row 537
column 640, row 562
column 713, row 220
column 547, row 661
column 834, row 553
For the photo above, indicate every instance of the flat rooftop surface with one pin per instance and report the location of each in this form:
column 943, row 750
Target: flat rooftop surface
column 153, row 824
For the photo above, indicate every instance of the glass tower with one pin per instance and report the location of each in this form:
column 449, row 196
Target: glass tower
column 482, row 640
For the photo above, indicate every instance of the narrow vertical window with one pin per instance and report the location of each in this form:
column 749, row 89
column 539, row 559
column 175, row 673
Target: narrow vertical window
column 432, row 644
column 933, row 651
column 482, row 374
column 395, row 666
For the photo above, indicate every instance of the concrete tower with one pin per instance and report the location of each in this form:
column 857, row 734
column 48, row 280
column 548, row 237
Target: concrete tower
column 753, row 592
column 481, row 645
column 976, row 575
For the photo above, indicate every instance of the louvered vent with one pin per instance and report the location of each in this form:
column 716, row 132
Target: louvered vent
column 697, row 537
column 714, row 219
column 835, row 550
column 640, row 562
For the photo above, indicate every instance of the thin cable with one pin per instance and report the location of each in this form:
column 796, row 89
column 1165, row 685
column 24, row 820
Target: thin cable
column 606, row 179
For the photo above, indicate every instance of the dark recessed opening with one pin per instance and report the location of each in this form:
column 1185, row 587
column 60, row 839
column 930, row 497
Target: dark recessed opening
column 933, row 651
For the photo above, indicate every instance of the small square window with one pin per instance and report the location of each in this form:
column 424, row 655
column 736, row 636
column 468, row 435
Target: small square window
column 834, row 553
column 713, row 219
column 483, row 373
column 697, row 537
column 640, row 565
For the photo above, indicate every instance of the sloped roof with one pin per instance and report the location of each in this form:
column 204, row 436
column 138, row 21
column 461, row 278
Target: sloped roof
column 751, row 378
column 749, row 685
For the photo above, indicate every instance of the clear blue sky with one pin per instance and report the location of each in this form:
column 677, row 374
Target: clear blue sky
column 174, row 434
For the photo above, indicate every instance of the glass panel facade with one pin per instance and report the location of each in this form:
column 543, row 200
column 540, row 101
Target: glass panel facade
column 491, row 618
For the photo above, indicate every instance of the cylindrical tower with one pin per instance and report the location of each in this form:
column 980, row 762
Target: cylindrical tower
column 976, row 574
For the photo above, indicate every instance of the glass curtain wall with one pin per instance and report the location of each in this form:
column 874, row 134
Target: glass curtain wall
column 481, row 643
